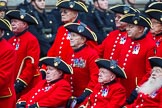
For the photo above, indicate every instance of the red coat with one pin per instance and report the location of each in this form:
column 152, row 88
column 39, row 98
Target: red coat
column 147, row 101
column 85, row 70
column 158, row 40
column 7, row 73
column 61, row 45
column 27, row 45
column 115, row 96
column 48, row 95
column 112, row 45
column 134, row 60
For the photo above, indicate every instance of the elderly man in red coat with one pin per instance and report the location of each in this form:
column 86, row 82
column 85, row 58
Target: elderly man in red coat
column 7, row 69
column 115, row 40
column 108, row 93
column 27, row 48
column 156, row 30
column 54, row 91
column 82, row 60
column 136, row 51
column 69, row 13
column 150, row 92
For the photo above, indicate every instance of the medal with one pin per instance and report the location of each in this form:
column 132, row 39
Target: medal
column 136, row 49
column 122, row 40
column 104, row 92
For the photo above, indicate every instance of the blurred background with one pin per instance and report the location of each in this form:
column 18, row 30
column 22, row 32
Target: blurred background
column 51, row 3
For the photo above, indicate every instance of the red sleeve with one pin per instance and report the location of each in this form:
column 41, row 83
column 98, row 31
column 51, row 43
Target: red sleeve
column 148, row 66
column 7, row 67
column 93, row 69
column 118, row 99
column 29, row 68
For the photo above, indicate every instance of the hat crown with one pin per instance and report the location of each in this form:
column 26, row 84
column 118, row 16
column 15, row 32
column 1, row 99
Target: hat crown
column 71, row 4
column 136, row 18
column 126, row 9
column 113, row 64
column 22, row 13
column 57, row 61
column 81, row 27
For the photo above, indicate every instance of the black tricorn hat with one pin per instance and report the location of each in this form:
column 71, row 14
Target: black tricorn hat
column 57, row 63
column 5, row 25
column 112, row 66
column 155, row 5
column 81, row 29
column 123, row 9
column 155, row 61
column 154, row 13
column 21, row 15
column 137, row 19
column 72, row 4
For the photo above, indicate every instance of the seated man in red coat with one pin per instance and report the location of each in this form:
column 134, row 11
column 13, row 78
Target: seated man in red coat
column 52, row 92
column 150, row 92
column 108, row 93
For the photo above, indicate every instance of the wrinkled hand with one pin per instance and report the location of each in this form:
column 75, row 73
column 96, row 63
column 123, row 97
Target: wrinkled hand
column 20, row 105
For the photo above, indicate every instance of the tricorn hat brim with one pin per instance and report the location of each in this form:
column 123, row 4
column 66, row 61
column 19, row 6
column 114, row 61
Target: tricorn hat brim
column 72, row 4
column 81, row 29
column 5, row 25
column 137, row 19
column 23, row 16
column 118, row 71
column 57, row 63
column 155, row 61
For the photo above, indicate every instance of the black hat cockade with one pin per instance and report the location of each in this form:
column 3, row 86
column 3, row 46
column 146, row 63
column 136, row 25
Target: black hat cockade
column 154, row 13
column 82, row 29
column 137, row 19
column 155, row 61
column 5, row 25
column 72, row 4
column 112, row 66
column 122, row 9
column 57, row 63
column 155, row 5
column 21, row 15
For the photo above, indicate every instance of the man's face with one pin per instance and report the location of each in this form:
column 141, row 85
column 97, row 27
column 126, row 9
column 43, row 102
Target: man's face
column 156, row 72
column 18, row 26
column 76, row 40
column 68, row 15
column 52, row 74
column 120, row 25
column 156, row 27
column 134, row 31
column 40, row 3
column 105, row 76
column 2, row 14
column 103, row 4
